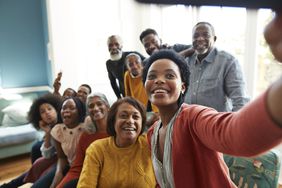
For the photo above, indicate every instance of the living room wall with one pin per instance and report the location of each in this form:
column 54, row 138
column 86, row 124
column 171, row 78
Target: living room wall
column 23, row 53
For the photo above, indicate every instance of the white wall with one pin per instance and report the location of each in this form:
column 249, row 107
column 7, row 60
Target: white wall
column 78, row 33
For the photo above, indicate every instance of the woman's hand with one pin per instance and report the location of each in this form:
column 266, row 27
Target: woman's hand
column 46, row 128
column 273, row 35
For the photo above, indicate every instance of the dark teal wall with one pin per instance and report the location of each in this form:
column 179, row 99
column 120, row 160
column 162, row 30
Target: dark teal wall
column 23, row 39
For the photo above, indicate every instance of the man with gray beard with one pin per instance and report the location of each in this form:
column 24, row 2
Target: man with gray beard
column 116, row 64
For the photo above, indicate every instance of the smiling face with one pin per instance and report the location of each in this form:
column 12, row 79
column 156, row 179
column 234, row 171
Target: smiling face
column 69, row 113
column 115, row 47
column 48, row 114
column 163, row 83
column 97, row 108
column 82, row 93
column 128, row 125
column 151, row 43
column 203, row 38
column 69, row 92
column 134, row 65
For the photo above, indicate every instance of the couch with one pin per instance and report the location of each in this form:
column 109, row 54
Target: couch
column 17, row 135
column 258, row 172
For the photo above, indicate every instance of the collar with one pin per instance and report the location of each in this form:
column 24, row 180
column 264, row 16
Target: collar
column 209, row 58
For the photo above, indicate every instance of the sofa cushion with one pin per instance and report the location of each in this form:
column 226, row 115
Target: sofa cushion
column 16, row 135
column 16, row 114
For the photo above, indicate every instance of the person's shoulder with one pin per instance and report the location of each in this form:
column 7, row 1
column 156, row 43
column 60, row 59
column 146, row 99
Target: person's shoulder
column 126, row 74
column 180, row 47
column 224, row 54
column 58, row 127
column 143, row 137
column 151, row 129
column 100, row 143
column 189, row 110
column 86, row 135
column 109, row 62
column 143, row 141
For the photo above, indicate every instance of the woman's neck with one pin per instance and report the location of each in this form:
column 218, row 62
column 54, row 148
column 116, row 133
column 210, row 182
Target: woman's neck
column 101, row 125
column 166, row 114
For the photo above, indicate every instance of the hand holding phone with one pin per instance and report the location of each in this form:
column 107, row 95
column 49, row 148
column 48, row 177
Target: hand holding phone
column 57, row 82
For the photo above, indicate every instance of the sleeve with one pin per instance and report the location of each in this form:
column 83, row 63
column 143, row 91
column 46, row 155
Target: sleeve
column 47, row 152
column 76, row 167
column 126, row 84
column 91, row 167
column 234, row 85
column 56, row 133
column 248, row 132
column 113, row 81
column 180, row 47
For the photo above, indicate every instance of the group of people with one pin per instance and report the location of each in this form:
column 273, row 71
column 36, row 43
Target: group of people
column 216, row 78
column 189, row 88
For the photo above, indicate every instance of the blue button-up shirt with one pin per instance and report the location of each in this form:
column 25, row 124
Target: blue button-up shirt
column 216, row 82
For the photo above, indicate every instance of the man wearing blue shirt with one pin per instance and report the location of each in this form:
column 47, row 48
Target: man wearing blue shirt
column 216, row 78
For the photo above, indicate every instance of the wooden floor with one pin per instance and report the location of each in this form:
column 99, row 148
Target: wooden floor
column 14, row 166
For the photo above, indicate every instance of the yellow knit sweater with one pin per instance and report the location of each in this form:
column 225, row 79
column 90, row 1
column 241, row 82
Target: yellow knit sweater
column 107, row 166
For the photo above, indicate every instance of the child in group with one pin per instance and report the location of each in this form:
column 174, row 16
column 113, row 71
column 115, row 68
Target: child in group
column 188, row 141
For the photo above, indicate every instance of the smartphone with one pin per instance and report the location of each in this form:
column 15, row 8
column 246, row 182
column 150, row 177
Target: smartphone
column 255, row 4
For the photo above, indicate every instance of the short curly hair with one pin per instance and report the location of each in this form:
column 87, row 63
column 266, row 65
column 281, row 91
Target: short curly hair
column 111, row 120
column 34, row 112
column 147, row 32
column 177, row 59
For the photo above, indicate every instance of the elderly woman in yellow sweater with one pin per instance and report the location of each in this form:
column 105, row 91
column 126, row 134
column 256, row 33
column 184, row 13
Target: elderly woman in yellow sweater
column 122, row 160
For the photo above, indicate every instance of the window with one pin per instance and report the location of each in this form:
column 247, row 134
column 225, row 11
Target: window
column 80, row 48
